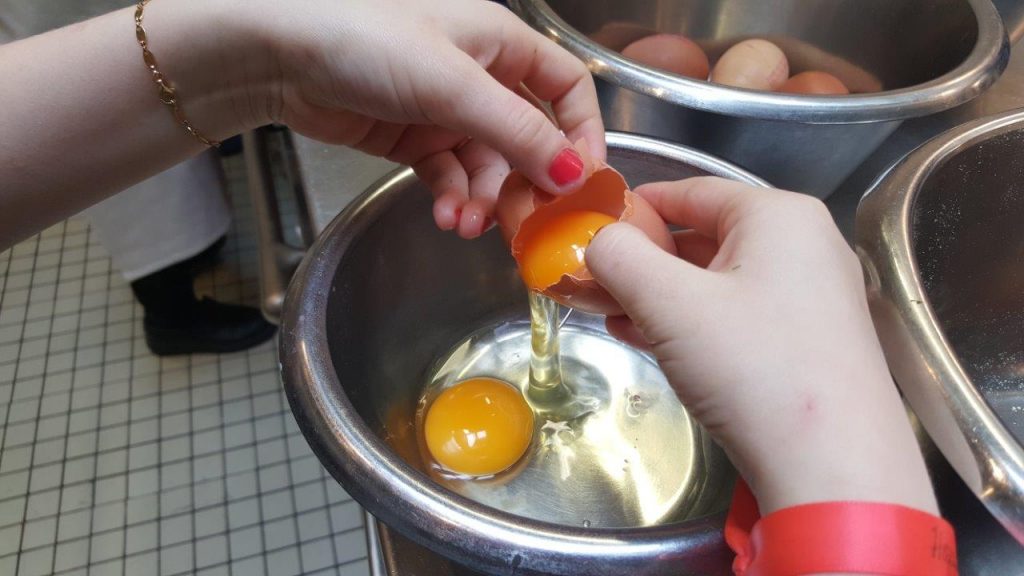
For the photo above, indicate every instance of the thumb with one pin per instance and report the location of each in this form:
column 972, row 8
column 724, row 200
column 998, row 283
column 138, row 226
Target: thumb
column 644, row 279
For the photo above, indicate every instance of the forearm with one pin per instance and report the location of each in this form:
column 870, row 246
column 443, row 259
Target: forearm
column 82, row 118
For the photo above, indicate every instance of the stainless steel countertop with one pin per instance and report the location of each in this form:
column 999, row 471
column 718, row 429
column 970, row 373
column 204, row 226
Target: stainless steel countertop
column 331, row 176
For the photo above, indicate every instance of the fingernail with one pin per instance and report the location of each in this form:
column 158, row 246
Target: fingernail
column 458, row 215
column 566, row 167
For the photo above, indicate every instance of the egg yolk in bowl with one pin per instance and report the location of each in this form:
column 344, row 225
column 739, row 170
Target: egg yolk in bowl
column 478, row 427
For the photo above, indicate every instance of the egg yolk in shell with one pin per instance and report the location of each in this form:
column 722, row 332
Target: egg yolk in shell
column 558, row 248
column 478, row 427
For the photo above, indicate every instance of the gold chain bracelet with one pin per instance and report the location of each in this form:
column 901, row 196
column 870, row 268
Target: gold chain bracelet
column 167, row 93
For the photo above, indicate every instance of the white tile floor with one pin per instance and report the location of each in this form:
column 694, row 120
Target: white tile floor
column 117, row 462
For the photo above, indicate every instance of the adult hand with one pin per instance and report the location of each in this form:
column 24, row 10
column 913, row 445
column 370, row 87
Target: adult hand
column 445, row 87
column 448, row 87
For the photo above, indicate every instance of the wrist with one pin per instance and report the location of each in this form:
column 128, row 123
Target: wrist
column 855, row 447
column 220, row 61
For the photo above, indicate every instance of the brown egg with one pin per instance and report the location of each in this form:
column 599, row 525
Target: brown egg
column 753, row 64
column 672, row 53
column 814, row 82
column 616, row 34
column 548, row 234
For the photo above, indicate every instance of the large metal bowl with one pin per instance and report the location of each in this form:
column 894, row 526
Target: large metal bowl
column 381, row 296
column 925, row 56
column 942, row 237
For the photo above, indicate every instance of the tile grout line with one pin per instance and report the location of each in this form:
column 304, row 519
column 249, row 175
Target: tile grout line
column 254, row 444
column 295, row 503
column 67, row 434
column 69, row 332
column 96, row 446
column 127, row 453
column 14, row 385
column 192, row 470
column 259, row 482
column 228, row 562
column 3, row 292
column 330, row 517
column 160, row 479
column 224, row 478
column 108, row 531
column 128, row 380
column 273, row 492
column 32, row 450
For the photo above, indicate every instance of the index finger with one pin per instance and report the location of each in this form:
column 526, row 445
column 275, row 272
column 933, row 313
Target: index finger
column 560, row 78
column 553, row 75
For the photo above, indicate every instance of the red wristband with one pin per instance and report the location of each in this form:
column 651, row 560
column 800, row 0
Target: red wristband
column 838, row 537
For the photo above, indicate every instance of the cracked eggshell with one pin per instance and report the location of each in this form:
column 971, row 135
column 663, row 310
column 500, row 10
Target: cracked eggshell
column 522, row 210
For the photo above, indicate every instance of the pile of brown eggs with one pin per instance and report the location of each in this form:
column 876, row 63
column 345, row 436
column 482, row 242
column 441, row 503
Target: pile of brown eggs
column 754, row 64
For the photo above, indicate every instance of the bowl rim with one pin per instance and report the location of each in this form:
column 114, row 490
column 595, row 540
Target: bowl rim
column 379, row 479
column 974, row 75
column 958, row 418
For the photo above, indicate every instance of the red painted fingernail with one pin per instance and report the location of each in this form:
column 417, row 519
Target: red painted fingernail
column 566, row 167
column 458, row 214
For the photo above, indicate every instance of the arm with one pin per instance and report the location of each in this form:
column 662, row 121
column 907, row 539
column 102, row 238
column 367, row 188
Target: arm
column 82, row 118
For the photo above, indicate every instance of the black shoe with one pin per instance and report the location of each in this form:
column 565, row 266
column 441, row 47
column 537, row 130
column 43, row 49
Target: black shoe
column 206, row 259
column 231, row 146
column 208, row 327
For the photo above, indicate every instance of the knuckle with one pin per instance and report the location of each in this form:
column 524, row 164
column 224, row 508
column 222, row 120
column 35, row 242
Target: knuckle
column 795, row 206
column 810, row 207
column 580, row 70
column 500, row 14
column 527, row 125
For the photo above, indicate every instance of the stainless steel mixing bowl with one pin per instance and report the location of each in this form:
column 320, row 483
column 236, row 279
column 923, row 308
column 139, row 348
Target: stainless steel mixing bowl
column 382, row 295
column 926, row 56
column 942, row 236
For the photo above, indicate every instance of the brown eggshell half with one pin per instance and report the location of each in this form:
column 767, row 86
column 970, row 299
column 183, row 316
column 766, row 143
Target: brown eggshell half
column 523, row 209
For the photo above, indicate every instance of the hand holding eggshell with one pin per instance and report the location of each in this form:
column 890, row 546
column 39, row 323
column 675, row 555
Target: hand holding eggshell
column 763, row 277
column 672, row 53
column 753, row 64
column 531, row 219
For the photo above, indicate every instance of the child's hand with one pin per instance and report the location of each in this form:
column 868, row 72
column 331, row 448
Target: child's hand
column 763, row 329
